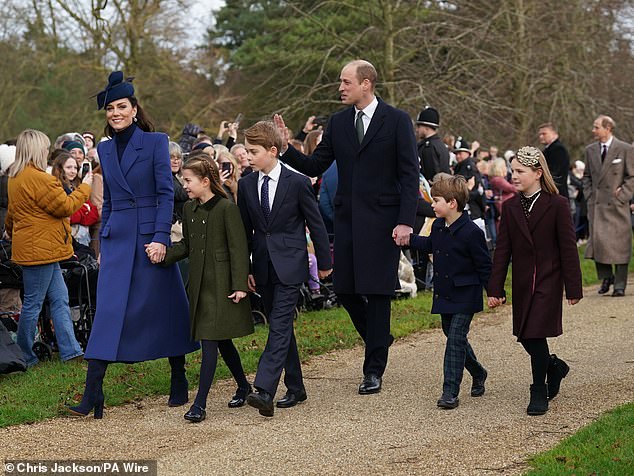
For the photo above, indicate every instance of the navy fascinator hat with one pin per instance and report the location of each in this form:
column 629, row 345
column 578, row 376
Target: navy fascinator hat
column 117, row 88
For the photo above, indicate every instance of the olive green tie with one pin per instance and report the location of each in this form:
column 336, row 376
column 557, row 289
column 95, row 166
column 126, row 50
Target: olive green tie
column 358, row 124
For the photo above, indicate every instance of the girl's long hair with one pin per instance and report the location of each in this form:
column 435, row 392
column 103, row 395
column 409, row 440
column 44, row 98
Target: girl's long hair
column 58, row 171
column 202, row 165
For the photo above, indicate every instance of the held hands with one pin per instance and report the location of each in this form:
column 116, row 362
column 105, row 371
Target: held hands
column 155, row 252
column 324, row 273
column 495, row 301
column 400, row 234
column 236, row 296
column 279, row 122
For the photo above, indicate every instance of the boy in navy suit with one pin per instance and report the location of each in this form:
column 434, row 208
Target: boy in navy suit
column 276, row 206
column 462, row 266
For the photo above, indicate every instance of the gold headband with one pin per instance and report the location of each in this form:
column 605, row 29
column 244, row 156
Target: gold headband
column 528, row 156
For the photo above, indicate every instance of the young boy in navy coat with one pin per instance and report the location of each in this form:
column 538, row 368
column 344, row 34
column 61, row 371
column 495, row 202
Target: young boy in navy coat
column 461, row 269
column 276, row 206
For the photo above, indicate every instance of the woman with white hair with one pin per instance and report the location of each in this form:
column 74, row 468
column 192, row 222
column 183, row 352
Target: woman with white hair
column 37, row 222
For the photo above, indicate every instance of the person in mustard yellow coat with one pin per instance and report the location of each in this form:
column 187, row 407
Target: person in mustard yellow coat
column 37, row 223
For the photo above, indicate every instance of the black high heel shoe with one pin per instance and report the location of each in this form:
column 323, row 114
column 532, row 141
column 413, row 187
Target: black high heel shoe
column 195, row 414
column 240, row 398
column 93, row 398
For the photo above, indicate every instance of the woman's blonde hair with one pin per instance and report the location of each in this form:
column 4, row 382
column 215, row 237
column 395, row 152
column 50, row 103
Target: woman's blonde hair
column 31, row 146
column 497, row 168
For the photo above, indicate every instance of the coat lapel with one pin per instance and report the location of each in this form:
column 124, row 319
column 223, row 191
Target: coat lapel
column 254, row 197
column 349, row 127
column 112, row 166
column 131, row 152
column 613, row 153
column 375, row 124
column 515, row 206
column 542, row 205
column 280, row 192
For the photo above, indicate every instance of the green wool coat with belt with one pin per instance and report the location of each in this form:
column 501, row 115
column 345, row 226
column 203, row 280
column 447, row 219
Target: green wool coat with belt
column 216, row 244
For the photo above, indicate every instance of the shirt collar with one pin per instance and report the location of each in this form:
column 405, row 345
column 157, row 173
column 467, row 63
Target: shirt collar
column 607, row 143
column 273, row 174
column 369, row 109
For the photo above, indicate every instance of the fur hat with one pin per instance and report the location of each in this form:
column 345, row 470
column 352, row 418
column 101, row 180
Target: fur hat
column 7, row 157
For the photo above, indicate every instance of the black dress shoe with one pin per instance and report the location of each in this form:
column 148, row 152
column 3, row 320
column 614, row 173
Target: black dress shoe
column 195, row 414
column 605, row 285
column 448, row 402
column 618, row 293
column 291, row 399
column 371, row 384
column 477, row 387
column 263, row 401
column 240, row 398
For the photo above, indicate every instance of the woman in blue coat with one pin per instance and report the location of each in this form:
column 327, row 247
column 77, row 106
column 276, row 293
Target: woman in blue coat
column 142, row 311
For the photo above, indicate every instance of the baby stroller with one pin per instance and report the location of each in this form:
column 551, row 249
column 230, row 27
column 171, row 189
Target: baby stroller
column 309, row 300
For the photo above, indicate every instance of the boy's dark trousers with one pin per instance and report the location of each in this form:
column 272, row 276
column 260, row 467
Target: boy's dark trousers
column 280, row 352
column 458, row 352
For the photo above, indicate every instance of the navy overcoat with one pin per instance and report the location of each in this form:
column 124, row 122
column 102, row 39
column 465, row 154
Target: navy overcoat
column 142, row 311
column 377, row 189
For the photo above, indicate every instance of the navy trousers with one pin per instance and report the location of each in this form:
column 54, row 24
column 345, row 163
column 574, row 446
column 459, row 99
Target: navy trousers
column 280, row 352
column 458, row 352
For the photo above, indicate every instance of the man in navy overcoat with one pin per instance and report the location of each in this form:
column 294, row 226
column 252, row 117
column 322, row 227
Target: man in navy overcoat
column 375, row 206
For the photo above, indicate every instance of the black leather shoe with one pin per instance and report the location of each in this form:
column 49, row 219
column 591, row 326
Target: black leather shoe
column 618, row 293
column 605, row 285
column 371, row 384
column 448, row 402
column 263, row 401
column 291, row 399
column 195, row 414
column 477, row 387
column 240, row 398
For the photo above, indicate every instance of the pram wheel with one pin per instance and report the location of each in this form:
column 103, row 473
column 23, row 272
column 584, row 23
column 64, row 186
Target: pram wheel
column 258, row 317
column 42, row 351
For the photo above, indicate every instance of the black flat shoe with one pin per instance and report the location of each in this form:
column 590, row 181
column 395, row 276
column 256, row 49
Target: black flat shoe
column 371, row 384
column 291, row 399
column 448, row 402
column 477, row 387
column 195, row 414
column 263, row 401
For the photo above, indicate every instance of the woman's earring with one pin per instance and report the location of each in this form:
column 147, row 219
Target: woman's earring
column 134, row 118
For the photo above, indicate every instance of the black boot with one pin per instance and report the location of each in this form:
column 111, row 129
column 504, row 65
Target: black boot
column 539, row 401
column 179, row 385
column 557, row 370
column 240, row 398
column 93, row 393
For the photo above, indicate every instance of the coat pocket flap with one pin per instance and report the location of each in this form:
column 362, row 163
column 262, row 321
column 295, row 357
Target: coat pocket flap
column 295, row 243
column 466, row 280
column 222, row 255
column 146, row 228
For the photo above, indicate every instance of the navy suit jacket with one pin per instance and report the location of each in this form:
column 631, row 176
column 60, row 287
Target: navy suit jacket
column 377, row 189
column 282, row 240
column 462, row 265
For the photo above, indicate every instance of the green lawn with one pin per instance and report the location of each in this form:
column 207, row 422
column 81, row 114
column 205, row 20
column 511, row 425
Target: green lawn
column 605, row 447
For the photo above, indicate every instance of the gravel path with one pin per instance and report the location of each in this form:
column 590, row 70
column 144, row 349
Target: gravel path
column 399, row 431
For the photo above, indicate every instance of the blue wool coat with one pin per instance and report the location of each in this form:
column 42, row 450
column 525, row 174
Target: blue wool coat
column 142, row 310
column 462, row 265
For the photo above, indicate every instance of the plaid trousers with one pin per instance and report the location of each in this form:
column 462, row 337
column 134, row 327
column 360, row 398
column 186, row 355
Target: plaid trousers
column 458, row 352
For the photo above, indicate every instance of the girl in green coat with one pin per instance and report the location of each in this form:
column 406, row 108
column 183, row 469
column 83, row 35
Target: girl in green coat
column 215, row 242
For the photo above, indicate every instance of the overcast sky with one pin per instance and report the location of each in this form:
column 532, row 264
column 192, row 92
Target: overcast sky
column 201, row 13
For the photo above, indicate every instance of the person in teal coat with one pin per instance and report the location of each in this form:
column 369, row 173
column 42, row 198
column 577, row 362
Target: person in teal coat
column 215, row 242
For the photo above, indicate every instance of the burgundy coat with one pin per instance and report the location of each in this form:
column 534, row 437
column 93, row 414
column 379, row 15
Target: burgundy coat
column 545, row 259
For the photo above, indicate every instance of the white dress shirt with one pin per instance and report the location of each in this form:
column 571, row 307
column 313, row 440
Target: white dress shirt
column 368, row 112
column 275, row 179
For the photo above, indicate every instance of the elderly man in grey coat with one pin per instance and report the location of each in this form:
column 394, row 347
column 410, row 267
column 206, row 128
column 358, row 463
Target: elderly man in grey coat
column 608, row 185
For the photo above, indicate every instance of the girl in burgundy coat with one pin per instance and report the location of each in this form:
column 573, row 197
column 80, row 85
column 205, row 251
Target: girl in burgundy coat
column 536, row 231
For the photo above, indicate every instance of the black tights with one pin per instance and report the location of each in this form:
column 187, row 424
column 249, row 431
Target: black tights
column 231, row 357
column 540, row 358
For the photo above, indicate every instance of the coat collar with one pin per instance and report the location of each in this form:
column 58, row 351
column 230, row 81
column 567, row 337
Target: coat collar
column 111, row 165
column 131, row 152
column 280, row 192
column 375, row 124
